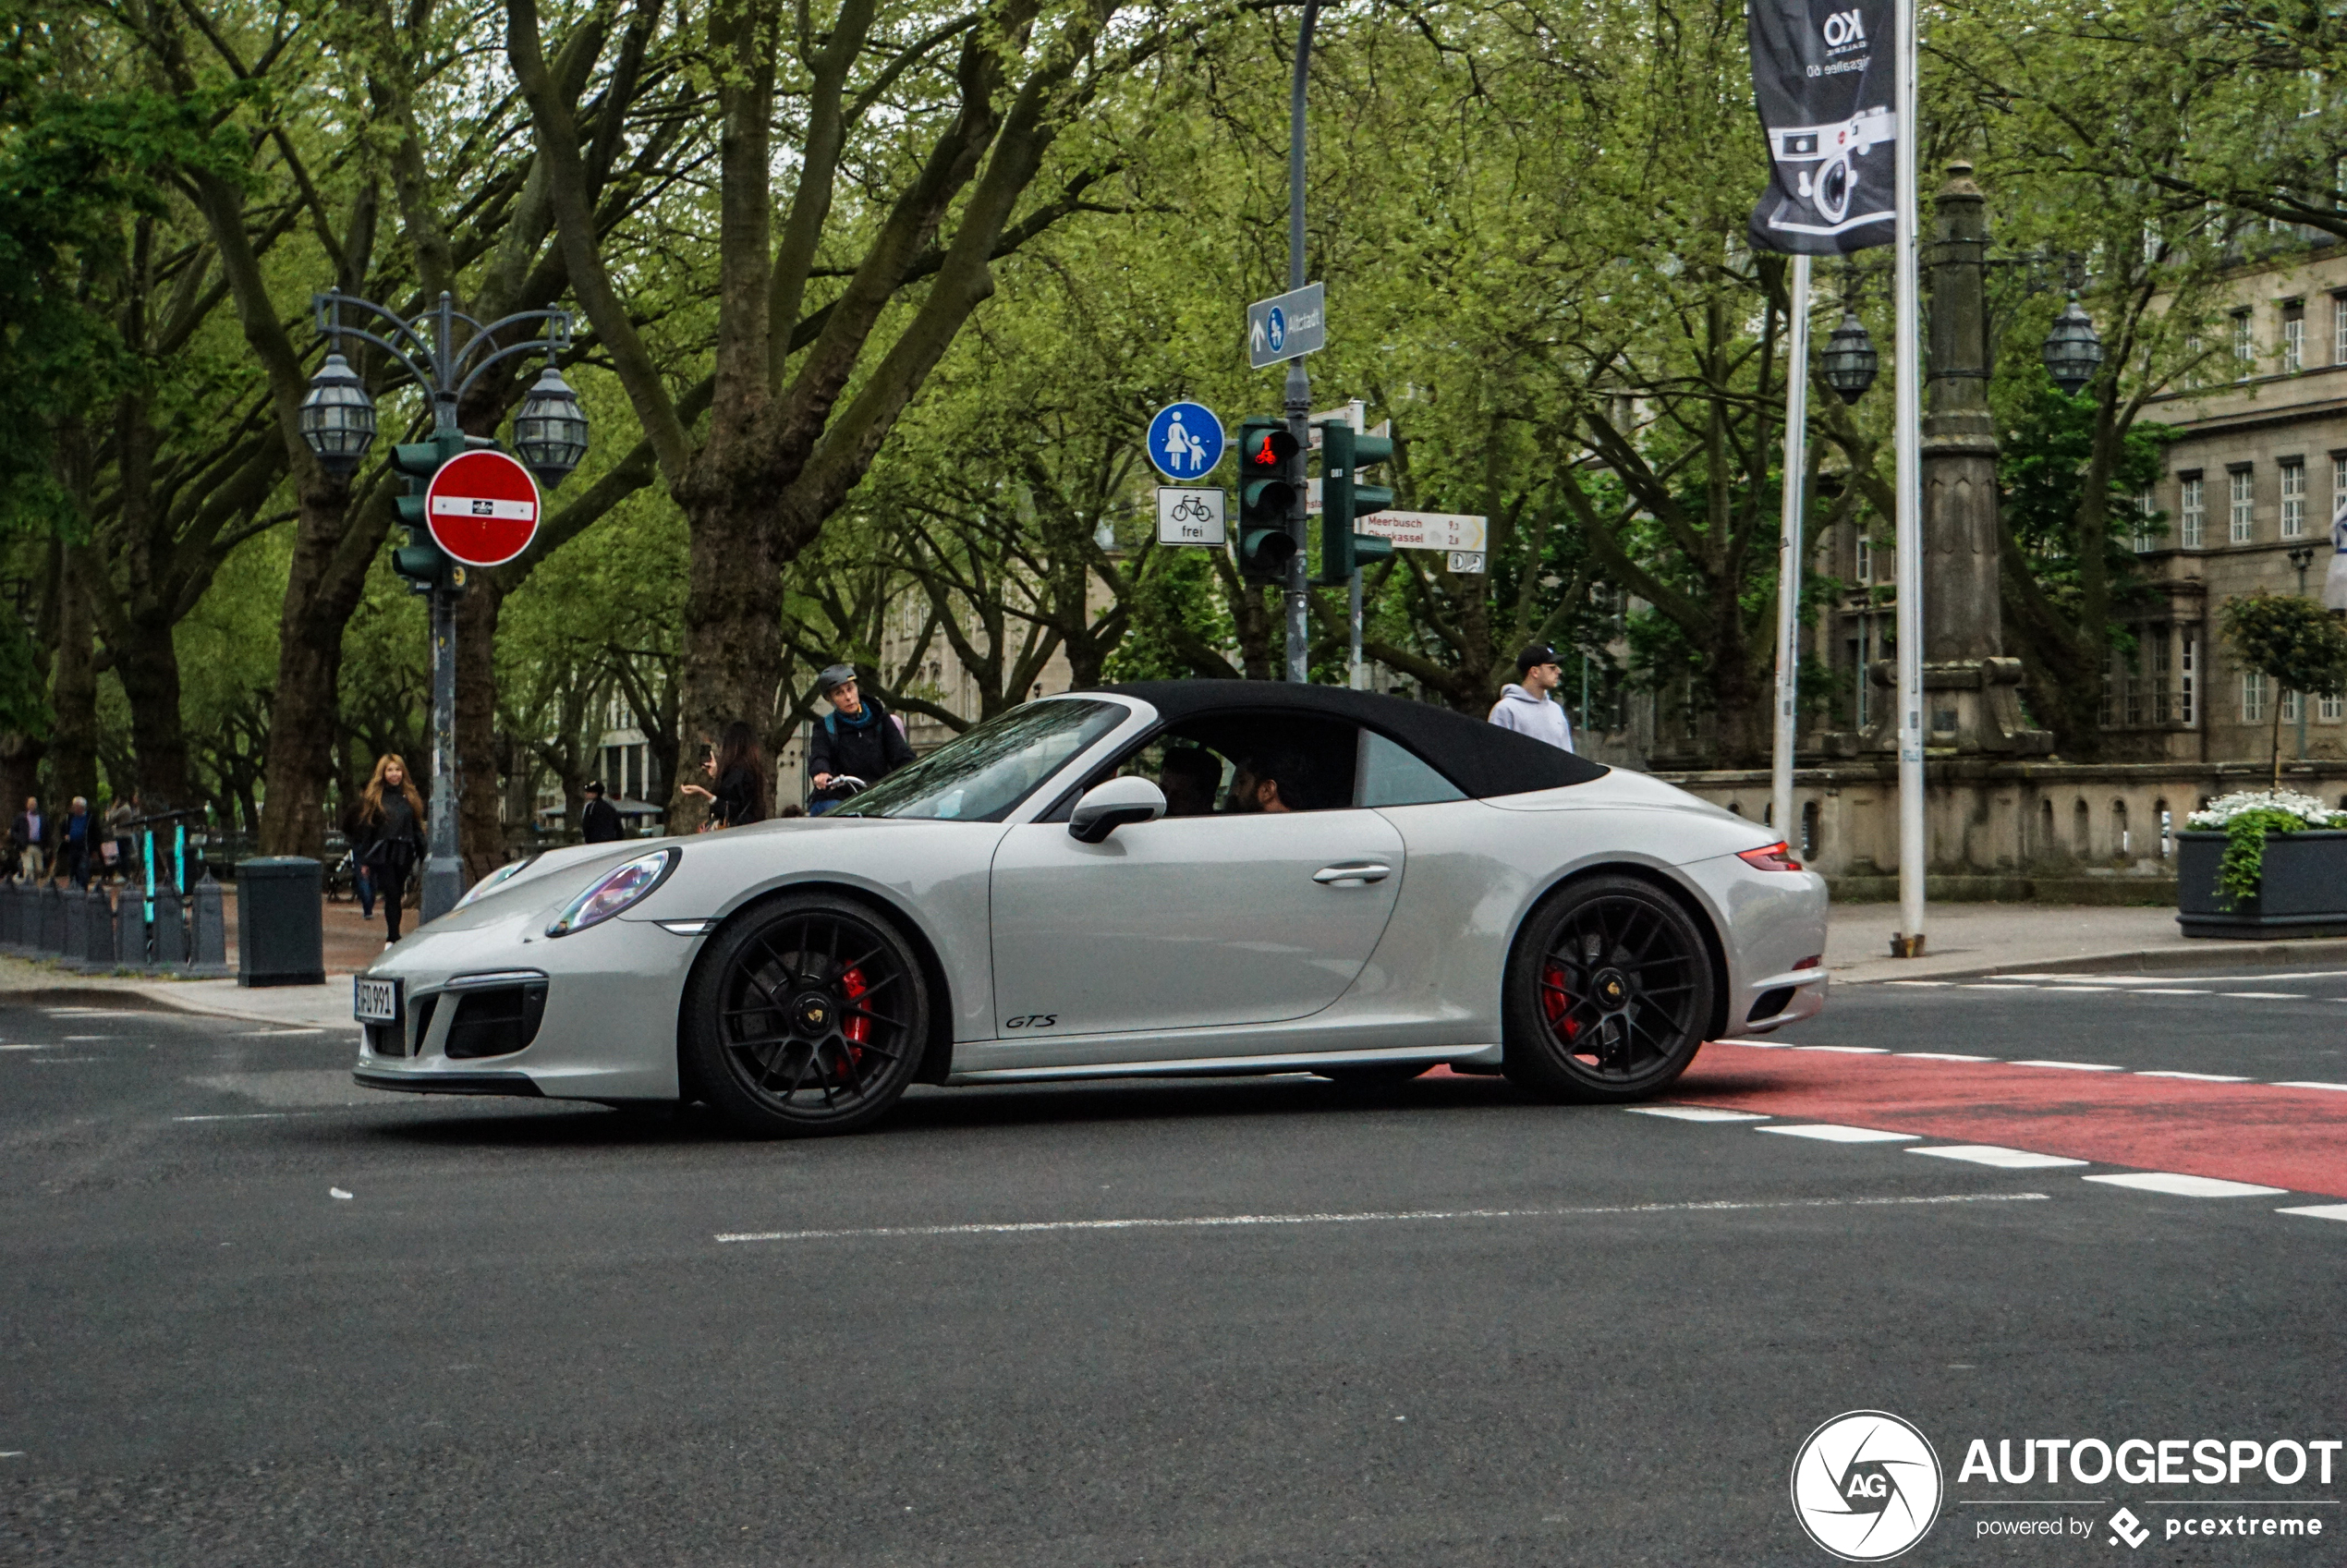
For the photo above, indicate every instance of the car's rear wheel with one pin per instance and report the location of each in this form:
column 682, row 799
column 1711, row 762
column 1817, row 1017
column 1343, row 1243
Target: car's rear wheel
column 807, row 1016
column 1609, row 992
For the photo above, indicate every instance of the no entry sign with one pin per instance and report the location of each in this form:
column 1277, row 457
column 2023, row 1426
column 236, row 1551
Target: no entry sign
column 482, row 509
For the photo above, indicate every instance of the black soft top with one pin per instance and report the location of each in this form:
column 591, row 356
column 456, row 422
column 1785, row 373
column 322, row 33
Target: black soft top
column 1480, row 757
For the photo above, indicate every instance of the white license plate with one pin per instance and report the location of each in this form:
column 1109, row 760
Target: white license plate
column 375, row 1001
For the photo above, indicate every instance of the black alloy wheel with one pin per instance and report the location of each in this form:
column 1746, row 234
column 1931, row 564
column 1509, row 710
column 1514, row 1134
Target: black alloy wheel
column 1609, row 992
column 807, row 1016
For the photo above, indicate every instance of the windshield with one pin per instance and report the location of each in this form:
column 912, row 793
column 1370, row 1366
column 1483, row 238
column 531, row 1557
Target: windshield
column 979, row 777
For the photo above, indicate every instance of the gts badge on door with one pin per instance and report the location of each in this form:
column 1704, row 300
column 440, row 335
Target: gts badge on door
column 1031, row 1021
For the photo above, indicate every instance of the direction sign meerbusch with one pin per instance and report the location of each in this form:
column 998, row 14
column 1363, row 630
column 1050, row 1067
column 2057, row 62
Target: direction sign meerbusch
column 482, row 509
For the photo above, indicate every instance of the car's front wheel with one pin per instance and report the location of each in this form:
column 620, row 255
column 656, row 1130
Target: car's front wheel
column 1609, row 992
column 807, row 1016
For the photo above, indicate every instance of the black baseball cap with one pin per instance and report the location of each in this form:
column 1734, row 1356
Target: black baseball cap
column 594, row 786
column 1534, row 655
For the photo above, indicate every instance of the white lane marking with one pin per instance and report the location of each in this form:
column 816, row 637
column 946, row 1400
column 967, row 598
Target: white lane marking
column 1943, row 1056
column 2306, row 1083
column 272, row 1034
column 95, row 1013
column 2195, row 1077
column 2169, row 991
column 1932, row 985
column 1995, row 985
column 2003, row 1159
column 2076, row 1066
column 1221, row 1222
column 2269, row 995
column 59, row 1061
column 2177, row 1185
column 237, row 1116
column 1829, row 1132
column 70, row 1038
column 1757, row 1044
column 2319, row 1210
column 2268, row 975
column 337, row 1192
column 11, row 1454
column 1694, row 1113
column 21, row 1047
column 1849, row 1050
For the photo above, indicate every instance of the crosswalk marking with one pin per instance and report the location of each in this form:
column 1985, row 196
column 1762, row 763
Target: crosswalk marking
column 2001, row 1158
column 1829, row 1132
column 2176, row 1184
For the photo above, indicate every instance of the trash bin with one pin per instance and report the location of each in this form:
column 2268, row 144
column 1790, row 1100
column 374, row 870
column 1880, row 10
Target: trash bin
column 281, row 931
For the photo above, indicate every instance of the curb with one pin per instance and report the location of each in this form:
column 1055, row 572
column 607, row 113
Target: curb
column 147, row 1001
column 2145, row 961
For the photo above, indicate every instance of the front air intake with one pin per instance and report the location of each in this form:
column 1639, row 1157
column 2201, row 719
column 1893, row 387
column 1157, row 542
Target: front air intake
column 497, row 1021
column 1771, row 1003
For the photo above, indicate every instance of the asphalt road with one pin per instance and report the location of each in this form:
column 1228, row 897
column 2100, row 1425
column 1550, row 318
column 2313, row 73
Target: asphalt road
column 1455, row 1327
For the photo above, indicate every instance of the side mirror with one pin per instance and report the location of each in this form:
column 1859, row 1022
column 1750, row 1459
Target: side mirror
column 1104, row 809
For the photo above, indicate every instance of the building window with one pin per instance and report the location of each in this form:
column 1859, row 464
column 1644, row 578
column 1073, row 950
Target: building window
column 2339, row 329
column 2240, row 518
column 1865, row 559
column 2253, row 697
column 2244, row 347
column 2330, row 707
column 2187, row 687
column 2146, row 509
column 2194, row 510
column 2289, row 707
column 2293, row 498
column 2193, row 366
column 2293, row 336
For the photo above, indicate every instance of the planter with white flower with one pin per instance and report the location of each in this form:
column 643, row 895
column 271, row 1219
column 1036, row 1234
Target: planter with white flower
column 2263, row 863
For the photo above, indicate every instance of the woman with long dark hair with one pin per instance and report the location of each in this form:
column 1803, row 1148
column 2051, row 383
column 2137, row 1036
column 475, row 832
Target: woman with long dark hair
column 738, row 768
column 391, row 817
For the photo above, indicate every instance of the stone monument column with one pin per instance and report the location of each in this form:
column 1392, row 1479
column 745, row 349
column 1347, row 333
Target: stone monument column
column 1972, row 703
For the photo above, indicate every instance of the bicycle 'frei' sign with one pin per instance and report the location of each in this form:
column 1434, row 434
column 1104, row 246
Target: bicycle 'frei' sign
column 1185, row 441
column 1188, row 516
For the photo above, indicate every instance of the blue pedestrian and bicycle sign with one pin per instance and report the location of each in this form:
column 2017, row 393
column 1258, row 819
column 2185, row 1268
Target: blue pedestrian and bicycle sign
column 1186, row 440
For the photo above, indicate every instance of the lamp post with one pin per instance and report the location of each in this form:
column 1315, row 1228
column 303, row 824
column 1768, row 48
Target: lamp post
column 2072, row 351
column 338, row 422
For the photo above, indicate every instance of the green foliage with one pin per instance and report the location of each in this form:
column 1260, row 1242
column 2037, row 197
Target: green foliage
column 2042, row 465
column 2241, row 870
column 2296, row 642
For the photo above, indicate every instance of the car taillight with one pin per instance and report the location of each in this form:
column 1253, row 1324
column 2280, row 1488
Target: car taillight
column 1775, row 858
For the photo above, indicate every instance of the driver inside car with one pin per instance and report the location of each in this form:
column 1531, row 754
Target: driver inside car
column 1274, row 779
column 1188, row 777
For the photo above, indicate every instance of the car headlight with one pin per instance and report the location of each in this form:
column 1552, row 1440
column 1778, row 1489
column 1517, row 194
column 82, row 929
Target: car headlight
column 617, row 889
column 496, row 880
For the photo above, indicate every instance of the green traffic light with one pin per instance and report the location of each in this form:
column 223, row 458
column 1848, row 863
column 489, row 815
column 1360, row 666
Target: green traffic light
column 1345, row 499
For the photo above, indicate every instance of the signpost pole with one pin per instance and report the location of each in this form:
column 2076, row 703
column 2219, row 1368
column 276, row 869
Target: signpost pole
column 1299, row 385
column 1797, row 460
column 444, row 865
column 1906, row 436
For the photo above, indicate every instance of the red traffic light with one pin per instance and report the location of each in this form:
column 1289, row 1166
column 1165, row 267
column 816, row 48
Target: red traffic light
column 1267, row 451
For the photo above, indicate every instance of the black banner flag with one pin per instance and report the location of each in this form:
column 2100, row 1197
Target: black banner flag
column 1824, row 79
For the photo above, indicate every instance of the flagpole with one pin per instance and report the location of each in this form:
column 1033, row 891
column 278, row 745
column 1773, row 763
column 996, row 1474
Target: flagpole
column 1908, row 385
column 1796, row 462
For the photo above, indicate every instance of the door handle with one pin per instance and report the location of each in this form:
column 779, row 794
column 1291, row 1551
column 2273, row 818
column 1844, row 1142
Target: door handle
column 1363, row 871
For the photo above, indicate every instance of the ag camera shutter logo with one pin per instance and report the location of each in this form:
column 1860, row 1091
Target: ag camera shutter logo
column 1866, row 1486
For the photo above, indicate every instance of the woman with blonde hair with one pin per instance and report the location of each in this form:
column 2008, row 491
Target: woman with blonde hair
column 390, row 839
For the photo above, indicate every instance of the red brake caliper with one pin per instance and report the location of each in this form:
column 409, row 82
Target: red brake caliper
column 857, row 1026
column 1556, row 1002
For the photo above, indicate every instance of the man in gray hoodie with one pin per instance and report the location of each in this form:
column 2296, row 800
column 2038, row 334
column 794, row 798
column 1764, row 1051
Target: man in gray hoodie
column 1525, row 709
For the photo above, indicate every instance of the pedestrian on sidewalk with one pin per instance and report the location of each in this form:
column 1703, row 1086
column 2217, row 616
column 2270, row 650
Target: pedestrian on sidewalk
column 391, row 818
column 28, row 831
column 73, row 846
column 598, row 823
column 120, row 815
column 860, row 738
column 737, row 767
column 1526, row 707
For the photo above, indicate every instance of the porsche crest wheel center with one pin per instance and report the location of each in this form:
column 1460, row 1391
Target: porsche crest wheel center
column 1611, row 987
column 812, row 1013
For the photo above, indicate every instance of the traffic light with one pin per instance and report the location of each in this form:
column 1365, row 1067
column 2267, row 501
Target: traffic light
column 1345, row 499
column 1270, row 465
column 420, row 561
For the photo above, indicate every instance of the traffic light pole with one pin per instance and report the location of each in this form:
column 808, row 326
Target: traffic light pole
column 1299, row 385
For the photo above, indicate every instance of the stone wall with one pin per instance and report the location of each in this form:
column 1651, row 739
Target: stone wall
column 2005, row 818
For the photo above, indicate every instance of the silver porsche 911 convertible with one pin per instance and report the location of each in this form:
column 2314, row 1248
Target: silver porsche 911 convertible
column 1171, row 878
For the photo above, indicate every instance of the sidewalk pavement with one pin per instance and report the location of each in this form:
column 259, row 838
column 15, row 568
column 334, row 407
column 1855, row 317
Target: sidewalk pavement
column 1960, row 939
column 1971, row 939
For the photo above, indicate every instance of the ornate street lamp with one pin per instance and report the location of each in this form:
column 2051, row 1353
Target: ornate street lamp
column 337, row 418
column 2072, row 351
column 550, row 433
column 1849, row 360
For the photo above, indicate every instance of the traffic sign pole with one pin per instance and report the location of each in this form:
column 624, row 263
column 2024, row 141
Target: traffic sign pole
column 1299, row 385
column 444, row 858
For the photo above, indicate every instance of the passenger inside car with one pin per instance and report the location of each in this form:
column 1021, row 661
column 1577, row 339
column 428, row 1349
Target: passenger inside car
column 1189, row 775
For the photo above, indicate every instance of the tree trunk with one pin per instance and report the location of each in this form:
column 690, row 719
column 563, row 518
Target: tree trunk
column 147, row 665
column 732, row 632
column 332, row 548
column 73, row 692
column 479, row 819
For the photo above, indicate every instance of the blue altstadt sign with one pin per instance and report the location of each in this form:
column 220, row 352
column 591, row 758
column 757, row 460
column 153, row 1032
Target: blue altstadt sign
column 1186, row 440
